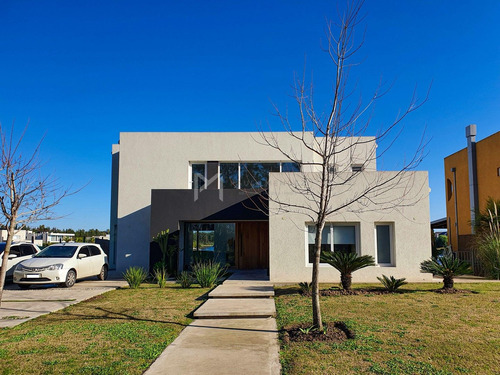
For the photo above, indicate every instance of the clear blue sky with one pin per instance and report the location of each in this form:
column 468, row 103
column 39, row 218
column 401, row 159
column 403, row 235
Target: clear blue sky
column 83, row 71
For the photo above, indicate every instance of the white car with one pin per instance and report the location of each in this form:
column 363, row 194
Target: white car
column 62, row 264
column 18, row 253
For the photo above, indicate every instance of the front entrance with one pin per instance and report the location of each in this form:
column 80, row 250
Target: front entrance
column 252, row 245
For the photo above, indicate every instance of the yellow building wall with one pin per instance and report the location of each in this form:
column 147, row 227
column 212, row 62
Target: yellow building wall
column 488, row 181
column 459, row 161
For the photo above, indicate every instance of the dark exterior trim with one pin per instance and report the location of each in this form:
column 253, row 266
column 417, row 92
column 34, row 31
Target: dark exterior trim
column 170, row 207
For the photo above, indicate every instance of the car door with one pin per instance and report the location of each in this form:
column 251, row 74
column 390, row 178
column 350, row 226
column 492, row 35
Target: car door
column 83, row 265
column 97, row 259
column 14, row 258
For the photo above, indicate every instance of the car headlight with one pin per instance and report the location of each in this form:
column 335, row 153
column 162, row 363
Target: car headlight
column 20, row 267
column 55, row 267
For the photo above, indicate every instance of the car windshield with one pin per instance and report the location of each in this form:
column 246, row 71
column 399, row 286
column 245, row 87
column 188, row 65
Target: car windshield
column 57, row 251
column 2, row 247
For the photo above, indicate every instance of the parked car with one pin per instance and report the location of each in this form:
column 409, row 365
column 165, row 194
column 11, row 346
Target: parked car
column 18, row 253
column 62, row 264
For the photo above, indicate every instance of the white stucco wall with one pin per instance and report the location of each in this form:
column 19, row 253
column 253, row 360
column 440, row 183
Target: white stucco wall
column 411, row 230
column 162, row 161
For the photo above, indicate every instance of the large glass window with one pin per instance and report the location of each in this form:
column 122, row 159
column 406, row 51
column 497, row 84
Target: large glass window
column 228, row 175
column 383, row 233
column 256, row 175
column 197, row 175
column 290, row 167
column 326, row 240
column 335, row 237
column 209, row 241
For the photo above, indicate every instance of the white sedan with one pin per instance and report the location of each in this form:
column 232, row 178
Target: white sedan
column 62, row 264
column 18, row 252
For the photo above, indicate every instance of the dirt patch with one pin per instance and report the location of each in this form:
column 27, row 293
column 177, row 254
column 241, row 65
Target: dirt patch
column 333, row 332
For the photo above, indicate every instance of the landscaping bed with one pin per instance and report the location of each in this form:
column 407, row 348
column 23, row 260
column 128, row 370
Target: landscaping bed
column 119, row 332
column 417, row 331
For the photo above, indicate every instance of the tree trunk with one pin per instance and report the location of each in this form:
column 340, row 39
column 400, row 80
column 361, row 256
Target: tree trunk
column 317, row 321
column 5, row 257
column 346, row 281
column 448, row 282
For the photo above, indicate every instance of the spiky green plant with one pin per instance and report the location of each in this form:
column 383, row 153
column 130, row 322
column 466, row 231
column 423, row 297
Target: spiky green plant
column 208, row 273
column 447, row 266
column 488, row 244
column 305, row 288
column 391, row 284
column 161, row 276
column 135, row 276
column 168, row 251
column 346, row 264
column 185, row 279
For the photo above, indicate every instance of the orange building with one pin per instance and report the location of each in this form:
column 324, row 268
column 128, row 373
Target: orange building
column 471, row 176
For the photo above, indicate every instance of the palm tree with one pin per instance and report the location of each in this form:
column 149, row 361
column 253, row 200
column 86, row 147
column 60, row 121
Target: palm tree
column 346, row 264
column 447, row 266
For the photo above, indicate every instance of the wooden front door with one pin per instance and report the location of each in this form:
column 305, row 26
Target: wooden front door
column 252, row 245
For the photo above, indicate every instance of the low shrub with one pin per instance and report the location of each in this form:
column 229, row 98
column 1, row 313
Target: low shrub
column 208, row 273
column 134, row 276
column 391, row 284
column 161, row 276
column 305, row 288
column 185, row 279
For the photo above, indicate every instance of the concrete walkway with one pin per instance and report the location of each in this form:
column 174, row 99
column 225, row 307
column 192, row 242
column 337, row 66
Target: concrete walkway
column 21, row 305
column 235, row 332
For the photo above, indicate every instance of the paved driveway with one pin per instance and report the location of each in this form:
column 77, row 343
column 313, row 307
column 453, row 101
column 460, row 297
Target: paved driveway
column 20, row 305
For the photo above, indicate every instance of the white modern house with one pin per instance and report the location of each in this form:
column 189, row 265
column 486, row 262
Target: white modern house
column 204, row 187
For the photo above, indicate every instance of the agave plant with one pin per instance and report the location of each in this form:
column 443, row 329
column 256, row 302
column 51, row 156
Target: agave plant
column 346, row 264
column 207, row 273
column 135, row 276
column 185, row 279
column 447, row 266
column 391, row 284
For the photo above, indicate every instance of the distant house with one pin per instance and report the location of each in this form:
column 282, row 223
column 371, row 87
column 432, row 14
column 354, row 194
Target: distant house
column 471, row 176
column 19, row 236
column 156, row 185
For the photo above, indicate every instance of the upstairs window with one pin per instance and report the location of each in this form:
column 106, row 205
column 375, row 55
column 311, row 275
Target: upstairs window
column 290, row 167
column 357, row 168
column 256, row 175
column 228, row 173
column 198, row 175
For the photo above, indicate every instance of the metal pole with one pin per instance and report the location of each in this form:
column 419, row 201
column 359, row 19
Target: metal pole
column 454, row 171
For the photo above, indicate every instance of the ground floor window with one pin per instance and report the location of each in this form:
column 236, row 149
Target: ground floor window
column 383, row 234
column 339, row 237
column 209, row 241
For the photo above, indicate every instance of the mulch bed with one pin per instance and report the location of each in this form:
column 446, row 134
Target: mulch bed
column 334, row 332
column 353, row 292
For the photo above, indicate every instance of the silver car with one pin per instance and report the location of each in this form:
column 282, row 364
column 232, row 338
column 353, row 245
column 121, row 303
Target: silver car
column 62, row 264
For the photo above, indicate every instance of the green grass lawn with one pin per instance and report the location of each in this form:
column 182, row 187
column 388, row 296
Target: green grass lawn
column 417, row 332
column 119, row 332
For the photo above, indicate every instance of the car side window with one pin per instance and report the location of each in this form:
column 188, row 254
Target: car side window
column 27, row 250
column 94, row 250
column 84, row 250
column 14, row 250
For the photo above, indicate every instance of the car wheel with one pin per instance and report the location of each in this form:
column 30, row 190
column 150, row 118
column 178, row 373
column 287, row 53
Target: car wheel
column 103, row 275
column 70, row 279
column 24, row 286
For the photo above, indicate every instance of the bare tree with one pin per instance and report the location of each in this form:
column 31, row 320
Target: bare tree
column 334, row 136
column 25, row 195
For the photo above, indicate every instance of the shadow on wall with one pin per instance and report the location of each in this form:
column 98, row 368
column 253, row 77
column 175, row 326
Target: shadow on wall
column 132, row 240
